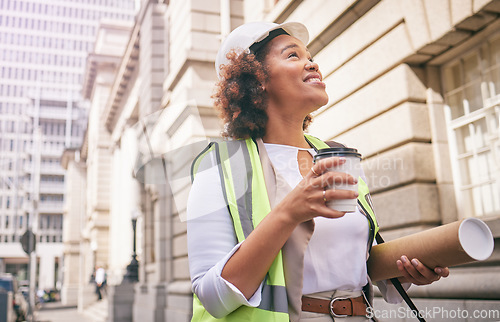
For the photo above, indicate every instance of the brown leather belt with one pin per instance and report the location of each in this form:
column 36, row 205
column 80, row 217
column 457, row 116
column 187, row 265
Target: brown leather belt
column 336, row 307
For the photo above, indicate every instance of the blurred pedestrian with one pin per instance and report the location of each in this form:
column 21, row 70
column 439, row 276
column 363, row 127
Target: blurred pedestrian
column 100, row 282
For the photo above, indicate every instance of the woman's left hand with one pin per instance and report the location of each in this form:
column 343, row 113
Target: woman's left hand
column 417, row 273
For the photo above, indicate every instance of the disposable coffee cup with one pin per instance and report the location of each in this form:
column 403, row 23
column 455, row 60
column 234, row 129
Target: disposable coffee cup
column 352, row 166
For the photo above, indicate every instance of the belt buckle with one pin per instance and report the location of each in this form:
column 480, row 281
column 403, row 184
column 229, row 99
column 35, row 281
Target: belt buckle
column 335, row 315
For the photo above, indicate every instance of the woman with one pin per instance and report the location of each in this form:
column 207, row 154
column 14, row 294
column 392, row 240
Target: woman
column 259, row 233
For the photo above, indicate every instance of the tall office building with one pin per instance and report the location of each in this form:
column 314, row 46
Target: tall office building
column 43, row 51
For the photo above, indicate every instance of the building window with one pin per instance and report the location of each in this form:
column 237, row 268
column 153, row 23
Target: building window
column 472, row 95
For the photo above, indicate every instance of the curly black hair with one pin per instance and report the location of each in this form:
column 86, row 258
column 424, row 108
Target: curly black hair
column 240, row 97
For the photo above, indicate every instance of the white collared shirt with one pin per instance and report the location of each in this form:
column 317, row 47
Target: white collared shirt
column 334, row 260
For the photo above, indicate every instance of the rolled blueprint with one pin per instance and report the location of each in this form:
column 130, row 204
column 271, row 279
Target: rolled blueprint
column 457, row 243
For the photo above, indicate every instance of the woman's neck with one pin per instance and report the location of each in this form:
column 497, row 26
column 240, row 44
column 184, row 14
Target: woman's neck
column 286, row 131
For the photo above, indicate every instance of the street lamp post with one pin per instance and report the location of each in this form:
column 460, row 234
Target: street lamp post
column 93, row 248
column 132, row 274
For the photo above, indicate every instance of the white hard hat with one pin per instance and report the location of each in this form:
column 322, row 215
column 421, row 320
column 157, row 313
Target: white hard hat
column 243, row 37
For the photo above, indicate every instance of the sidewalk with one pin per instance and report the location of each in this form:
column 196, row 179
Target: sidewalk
column 57, row 312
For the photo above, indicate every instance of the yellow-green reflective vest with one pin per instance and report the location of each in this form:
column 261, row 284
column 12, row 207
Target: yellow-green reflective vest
column 245, row 192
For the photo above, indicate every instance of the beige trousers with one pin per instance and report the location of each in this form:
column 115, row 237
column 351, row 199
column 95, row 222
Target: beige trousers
column 319, row 317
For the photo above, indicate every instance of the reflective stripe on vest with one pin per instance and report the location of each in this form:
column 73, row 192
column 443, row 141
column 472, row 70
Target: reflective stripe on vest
column 245, row 193
column 365, row 206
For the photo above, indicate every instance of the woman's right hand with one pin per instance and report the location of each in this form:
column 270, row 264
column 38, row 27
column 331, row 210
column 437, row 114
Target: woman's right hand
column 248, row 266
column 308, row 199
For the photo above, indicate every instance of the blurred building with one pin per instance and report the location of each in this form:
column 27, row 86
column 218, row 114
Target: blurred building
column 87, row 206
column 414, row 85
column 44, row 48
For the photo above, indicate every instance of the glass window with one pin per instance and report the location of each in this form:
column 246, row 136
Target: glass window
column 472, row 94
column 493, row 72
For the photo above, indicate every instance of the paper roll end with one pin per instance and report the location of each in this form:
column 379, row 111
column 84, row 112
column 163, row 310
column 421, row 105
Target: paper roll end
column 476, row 238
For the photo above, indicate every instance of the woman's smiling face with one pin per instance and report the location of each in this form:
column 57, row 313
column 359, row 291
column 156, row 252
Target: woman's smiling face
column 293, row 78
